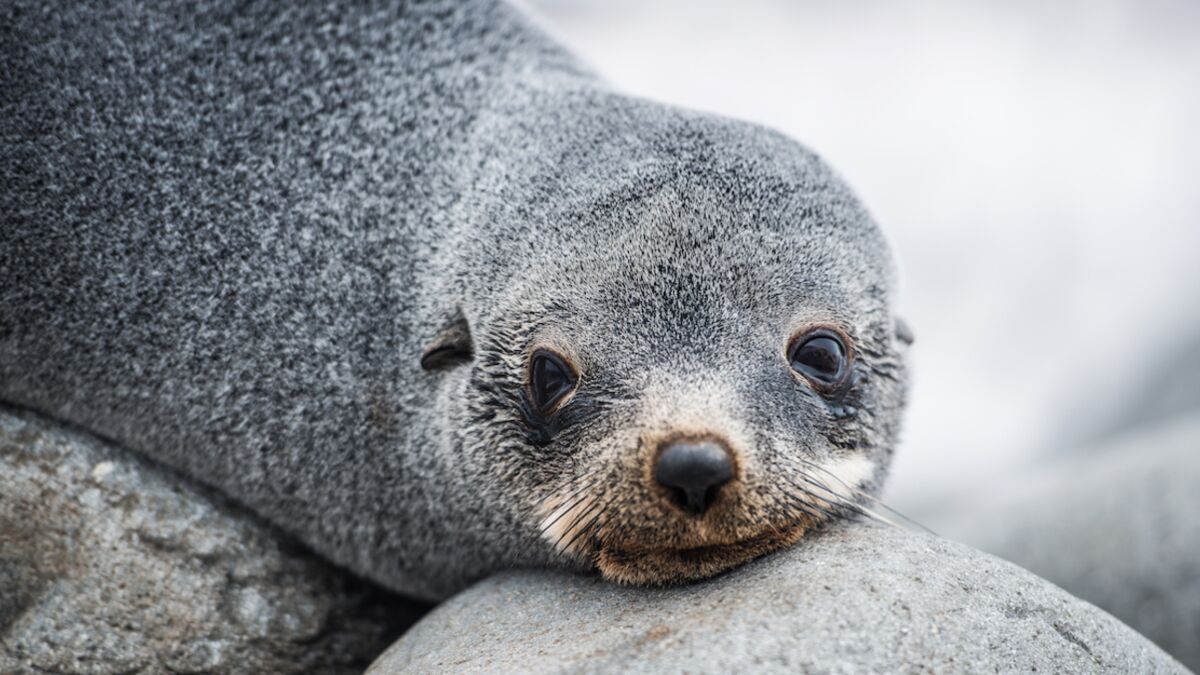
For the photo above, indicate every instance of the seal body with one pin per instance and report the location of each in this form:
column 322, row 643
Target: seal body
column 305, row 253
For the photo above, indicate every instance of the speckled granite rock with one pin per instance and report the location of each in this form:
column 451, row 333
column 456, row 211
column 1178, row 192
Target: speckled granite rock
column 108, row 565
column 1118, row 527
column 855, row 599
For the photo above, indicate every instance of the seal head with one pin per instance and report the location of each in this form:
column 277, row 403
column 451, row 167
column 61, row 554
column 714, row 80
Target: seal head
column 686, row 366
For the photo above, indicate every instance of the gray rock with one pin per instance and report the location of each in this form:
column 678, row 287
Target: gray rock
column 854, row 599
column 1118, row 527
column 109, row 565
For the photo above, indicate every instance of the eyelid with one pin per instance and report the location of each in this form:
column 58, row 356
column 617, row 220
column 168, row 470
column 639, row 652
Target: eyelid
column 809, row 331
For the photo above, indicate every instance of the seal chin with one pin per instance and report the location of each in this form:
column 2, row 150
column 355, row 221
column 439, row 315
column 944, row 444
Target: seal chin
column 634, row 564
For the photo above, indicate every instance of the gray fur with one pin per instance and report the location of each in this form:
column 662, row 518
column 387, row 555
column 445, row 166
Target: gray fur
column 230, row 230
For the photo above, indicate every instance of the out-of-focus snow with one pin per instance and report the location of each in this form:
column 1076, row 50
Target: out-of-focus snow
column 1036, row 166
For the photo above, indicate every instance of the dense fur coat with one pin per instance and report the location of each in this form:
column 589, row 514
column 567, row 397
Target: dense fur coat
column 232, row 230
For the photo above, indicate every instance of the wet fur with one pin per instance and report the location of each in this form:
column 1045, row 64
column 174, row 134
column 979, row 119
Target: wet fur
column 233, row 231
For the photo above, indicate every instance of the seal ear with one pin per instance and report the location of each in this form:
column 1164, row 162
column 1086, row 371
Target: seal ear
column 450, row 347
column 903, row 332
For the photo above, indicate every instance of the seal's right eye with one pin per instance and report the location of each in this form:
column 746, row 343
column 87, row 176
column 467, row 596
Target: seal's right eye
column 821, row 357
column 550, row 379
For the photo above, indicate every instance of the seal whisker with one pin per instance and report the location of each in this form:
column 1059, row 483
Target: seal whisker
column 845, row 503
column 578, row 518
column 582, row 530
column 829, row 495
column 866, row 495
column 561, row 512
column 571, row 528
column 823, row 510
column 578, row 496
column 804, row 507
column 836, row 501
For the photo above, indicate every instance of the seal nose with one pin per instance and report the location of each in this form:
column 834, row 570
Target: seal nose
column 694, row 470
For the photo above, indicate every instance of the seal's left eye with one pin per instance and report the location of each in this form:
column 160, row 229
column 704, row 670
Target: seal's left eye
column 821, row 357
column 550, row 379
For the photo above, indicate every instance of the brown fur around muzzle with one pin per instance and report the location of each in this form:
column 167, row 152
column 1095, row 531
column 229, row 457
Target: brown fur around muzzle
column 632, row 535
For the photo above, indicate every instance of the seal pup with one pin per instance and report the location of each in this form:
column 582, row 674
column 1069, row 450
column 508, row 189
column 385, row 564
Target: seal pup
column 410, row 282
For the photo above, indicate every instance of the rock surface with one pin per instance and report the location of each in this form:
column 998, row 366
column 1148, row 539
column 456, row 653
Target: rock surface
column 1118, row 527
column 856, row 598
column 109, row 565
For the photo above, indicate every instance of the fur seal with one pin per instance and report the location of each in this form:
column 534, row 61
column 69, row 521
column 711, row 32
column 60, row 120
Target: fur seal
column 412, row 283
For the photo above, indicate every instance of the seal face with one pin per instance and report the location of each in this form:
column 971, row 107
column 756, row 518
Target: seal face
column 695, row 378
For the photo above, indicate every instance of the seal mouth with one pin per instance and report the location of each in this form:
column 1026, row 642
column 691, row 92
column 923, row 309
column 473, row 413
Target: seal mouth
column 633, row 538
column 636, row 564
column 660, row 550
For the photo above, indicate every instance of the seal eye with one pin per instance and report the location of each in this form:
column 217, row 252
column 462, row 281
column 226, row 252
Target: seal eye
column 550, row 379
column 821, row 357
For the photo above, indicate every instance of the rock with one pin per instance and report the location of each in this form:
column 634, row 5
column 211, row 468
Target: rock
column 855, row 598
column 1118, row 527
column 110, row 565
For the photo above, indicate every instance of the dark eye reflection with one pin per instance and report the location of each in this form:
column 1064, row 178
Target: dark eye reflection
column 821, row 357
column 550, row 379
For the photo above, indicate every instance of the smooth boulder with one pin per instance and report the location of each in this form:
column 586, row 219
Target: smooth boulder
column 1118, row 527
column 110, row 565
column 855, row 598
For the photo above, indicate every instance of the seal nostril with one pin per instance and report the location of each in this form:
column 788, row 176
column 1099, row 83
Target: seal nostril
column 694, row 471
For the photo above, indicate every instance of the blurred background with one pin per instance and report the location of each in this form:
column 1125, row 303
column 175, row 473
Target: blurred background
column 1036, row 167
